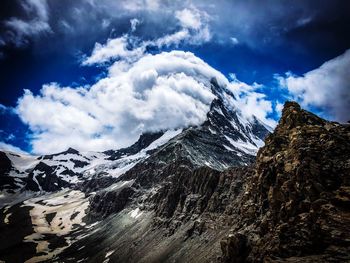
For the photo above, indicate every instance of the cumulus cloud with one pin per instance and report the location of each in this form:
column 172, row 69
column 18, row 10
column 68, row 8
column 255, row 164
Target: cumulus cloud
column 157, row 92
column 327, row 87
column 189, row 18
column 251, row 102
column 272, row 24
column 148, row 95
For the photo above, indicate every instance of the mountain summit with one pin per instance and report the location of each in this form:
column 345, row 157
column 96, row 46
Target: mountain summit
column 225, row 139
column 197, row 194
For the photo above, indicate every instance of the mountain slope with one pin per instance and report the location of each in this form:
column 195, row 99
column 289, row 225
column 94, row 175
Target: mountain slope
column 225, row 139
column 67, row 198
column 191, row 195
column 291, row 205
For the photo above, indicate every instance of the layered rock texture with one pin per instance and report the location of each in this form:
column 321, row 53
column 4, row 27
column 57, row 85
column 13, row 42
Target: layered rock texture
column 195, row 195
column 292, row 205
column 297, row 203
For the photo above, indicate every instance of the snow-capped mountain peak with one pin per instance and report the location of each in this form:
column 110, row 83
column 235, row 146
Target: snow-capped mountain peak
column 225, row 139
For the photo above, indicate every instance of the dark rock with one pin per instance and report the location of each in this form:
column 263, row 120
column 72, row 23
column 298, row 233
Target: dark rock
column 43, row 177
column 299, row 193
column 105, row 203
column 235, row 248
column 6, row 182
column 145, row 140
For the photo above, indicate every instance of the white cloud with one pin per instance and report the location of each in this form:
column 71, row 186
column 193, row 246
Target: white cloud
column 279, row 108
column 194, row 30
column 37, row 6
column 189, row 18
column 26, row 28
column 139, row 5
column 251, row 102
column 234, row 40
column 116, row 48
column 156, row 92
column 171, row 39
column 327, row 87
column 134, row 23
column 8, row 147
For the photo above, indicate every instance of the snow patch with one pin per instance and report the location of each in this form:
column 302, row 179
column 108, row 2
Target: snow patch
column 135, row 213
column 109, row 253
column 245, row 147
column 22, row 162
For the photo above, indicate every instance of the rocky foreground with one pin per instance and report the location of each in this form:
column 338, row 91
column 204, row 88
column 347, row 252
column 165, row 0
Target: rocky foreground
column 296, row 203
column 181, row 204
column 292, row 205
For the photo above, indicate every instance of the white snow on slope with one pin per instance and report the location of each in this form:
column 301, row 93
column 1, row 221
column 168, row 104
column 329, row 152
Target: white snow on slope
column 124, row 164
column 68, row 208
column 167, row 136
column 22, row 162
column 246, row 147
column 136, row 213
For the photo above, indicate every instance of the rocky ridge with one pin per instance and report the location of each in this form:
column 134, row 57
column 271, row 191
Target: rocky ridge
column 296, row 206
column 199, row 198
column 290, row 206
column 161, row 185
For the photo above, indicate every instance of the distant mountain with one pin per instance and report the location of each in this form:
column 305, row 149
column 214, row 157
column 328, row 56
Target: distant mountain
column 225, row 139
column 198, row 194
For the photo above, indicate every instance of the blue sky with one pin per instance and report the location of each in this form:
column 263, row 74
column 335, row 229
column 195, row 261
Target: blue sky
column 281, row 50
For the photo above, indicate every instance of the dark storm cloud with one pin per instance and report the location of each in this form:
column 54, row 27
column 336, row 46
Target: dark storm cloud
column 255, row 23
column 271, row 37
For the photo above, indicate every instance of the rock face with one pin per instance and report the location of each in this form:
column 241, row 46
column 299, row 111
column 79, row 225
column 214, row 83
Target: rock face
column 6, row 181
column 144, row 141
column 297, row 207
column 43, row 178
column 197, row 195
column 291, row 205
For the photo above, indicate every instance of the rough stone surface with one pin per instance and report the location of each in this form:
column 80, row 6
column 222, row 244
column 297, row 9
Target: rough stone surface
column 298, row 198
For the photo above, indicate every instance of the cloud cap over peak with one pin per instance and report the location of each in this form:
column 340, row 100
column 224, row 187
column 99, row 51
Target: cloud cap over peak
column 169, row 90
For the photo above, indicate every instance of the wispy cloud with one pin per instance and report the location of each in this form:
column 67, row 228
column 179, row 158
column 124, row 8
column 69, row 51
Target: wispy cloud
column 20, row 29
column 194, row 30
column 9, row 147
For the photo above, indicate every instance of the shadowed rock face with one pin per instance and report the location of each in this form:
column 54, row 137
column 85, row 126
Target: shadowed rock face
column 6, row 182
column 299, row 195
column 292, row 205
column 47, row 179
column 181, row 204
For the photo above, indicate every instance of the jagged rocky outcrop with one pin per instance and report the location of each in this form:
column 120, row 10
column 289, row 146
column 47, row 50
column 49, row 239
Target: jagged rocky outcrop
column 143, row 142
column 196, row 195
column 297, row 204
column 291, row 205
column 44, row 178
